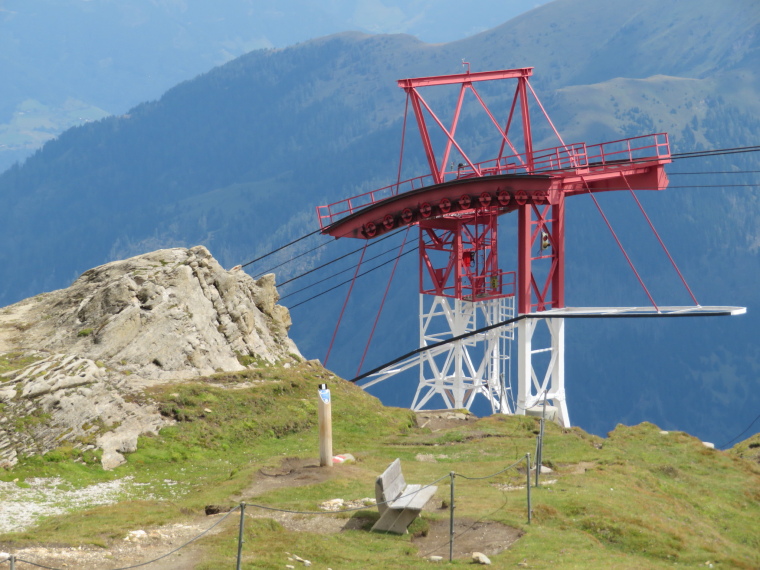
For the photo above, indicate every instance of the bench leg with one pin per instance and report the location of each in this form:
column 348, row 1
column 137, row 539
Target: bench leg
column 396, row 521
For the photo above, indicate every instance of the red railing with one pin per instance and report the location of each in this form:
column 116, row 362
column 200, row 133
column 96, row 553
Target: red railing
column 337, row 210
column 636, row 149
column 567, row 158
column 480, row 287
column 483, row 287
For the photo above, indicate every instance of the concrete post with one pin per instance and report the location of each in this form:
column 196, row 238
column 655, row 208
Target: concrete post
column 325, row 427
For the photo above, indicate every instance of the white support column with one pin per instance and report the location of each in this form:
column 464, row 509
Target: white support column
column 532, row 382
column 557, row 390
column 525, row 329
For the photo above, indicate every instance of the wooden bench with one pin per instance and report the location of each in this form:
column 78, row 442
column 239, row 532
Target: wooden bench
column 399, row 504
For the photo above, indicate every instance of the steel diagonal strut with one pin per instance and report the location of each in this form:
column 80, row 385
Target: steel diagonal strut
column 470, row 307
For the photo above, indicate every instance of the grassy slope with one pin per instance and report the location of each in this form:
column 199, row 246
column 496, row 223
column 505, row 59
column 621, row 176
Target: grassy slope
column 646, row 499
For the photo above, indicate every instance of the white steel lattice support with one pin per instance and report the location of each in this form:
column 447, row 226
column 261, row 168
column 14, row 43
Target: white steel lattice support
column 536, row 374
column 461, row 370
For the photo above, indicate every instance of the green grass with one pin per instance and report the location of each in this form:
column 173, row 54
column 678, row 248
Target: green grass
column 646, row 499
column 11, row 361
column 350, row 549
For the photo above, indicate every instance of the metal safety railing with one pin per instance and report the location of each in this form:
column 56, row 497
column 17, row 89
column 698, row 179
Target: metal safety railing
column 636, row 149
column 477, row 287
column 564, row 159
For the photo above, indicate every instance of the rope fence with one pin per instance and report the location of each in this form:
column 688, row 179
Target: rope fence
column 14, row 560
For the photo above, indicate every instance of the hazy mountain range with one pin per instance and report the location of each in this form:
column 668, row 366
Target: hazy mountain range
column 237, row 158
column 69, row 62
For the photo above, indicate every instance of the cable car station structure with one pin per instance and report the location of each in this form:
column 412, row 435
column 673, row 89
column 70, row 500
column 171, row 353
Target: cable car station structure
column 463, row 290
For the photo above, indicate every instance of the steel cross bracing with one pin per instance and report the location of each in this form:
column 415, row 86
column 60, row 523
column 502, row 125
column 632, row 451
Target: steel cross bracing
column 457, row 210
column 455, row 371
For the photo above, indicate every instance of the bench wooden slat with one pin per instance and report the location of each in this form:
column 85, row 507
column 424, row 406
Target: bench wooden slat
column 413, row 498
column 393, row 480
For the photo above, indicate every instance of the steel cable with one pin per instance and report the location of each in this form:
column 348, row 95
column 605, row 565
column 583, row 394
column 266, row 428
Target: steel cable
column 353, row 509
column 347, row 281
column 279, row 248
column 304, row 274
column 341, row 272
column 730, row 441
column 515, row 464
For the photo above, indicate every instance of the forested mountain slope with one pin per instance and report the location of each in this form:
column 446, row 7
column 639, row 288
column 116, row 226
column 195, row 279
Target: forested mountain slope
column 69, row 62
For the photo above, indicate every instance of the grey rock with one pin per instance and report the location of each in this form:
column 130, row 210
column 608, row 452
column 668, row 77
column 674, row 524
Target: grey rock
column 169, row 311
column 480, row 558
column 168, row 315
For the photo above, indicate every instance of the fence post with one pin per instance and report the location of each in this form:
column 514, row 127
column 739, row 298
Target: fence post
column 527, row 468
column 540, row 446
column 240, row 536
column 451, row 519
column 13, row 561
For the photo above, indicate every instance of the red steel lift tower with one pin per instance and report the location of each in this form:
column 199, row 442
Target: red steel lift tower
column 456, row 208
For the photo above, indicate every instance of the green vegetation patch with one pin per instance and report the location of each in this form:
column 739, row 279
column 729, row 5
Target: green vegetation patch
column 11, row 361
column 31, row 421
column 228, row 426
column 748, row 449
column 639, row 498
column 73, row 465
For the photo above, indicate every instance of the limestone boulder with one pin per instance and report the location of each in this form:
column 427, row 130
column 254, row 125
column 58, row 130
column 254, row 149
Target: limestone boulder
column 163, row 316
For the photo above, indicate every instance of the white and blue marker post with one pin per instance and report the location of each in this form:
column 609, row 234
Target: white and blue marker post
column 325, row 427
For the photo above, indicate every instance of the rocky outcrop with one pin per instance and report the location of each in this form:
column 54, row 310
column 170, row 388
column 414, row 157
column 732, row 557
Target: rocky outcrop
column 163, row 314
column 87, row 350
column 65, row 399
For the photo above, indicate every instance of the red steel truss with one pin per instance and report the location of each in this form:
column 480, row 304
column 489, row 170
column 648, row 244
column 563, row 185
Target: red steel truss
column 457, row 209
column 459, row 258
